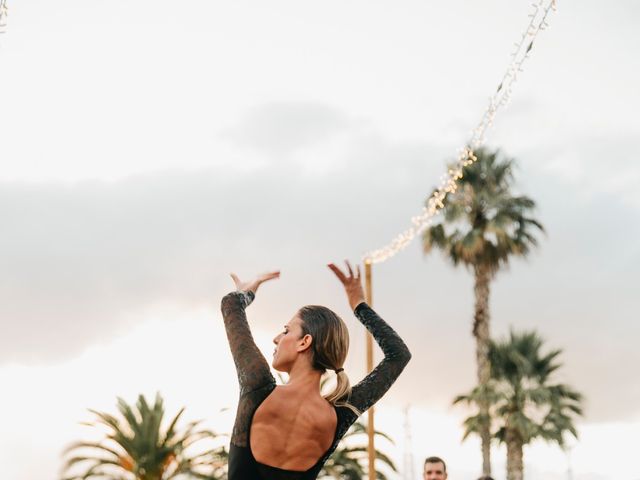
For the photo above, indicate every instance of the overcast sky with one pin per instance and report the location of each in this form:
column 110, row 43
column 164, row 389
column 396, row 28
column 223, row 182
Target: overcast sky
column 150, row 148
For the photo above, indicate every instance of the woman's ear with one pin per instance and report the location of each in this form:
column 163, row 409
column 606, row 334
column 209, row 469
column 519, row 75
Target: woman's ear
column 305, row 343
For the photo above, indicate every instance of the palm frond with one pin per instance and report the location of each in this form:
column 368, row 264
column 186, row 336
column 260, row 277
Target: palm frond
column 523, row 402
column 488, row 224
column 148, row 450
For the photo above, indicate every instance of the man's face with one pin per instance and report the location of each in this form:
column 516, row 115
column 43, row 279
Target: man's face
column 434, row 471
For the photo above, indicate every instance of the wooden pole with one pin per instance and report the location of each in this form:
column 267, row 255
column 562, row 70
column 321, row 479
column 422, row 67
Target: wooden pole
column 370, row 425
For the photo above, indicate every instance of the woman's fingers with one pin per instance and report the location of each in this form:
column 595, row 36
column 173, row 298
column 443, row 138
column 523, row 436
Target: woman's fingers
column 269, row 276
column 341, row 276
column 349, row 268
column 344, row 278
column 351, row 282
column 253, row 285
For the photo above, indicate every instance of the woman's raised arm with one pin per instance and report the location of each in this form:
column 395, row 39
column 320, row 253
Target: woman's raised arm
column 251, row 366
column 396, row 354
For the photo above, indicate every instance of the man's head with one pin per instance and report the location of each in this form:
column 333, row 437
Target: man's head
column 435, row 469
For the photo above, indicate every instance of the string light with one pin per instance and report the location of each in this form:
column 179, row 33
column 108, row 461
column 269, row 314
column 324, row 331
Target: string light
column 3, row 15
column 540, row 10
column 448, row 182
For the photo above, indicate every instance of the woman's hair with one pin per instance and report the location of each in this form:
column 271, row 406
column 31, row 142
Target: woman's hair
column 329, row 349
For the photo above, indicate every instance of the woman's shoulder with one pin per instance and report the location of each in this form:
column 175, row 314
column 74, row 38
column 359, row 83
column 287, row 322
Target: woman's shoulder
column 314, row 410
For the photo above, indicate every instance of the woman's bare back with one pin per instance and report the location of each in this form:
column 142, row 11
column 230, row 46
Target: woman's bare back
column 292, row 430
column 274, row 431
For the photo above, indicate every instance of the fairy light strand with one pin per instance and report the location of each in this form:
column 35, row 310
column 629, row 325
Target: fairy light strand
column 540, row 11
column 448, row 182
column 4, row 11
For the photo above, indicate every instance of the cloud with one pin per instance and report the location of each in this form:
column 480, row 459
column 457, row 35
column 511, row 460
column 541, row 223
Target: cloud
column 282, row 128
column 80, row 261
column 598, row 164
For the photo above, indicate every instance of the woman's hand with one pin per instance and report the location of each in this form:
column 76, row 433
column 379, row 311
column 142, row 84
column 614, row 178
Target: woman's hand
column 253, row 285
column 351, row 282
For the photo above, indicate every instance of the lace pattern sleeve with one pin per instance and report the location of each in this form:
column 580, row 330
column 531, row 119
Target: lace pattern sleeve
column 251, row 366
column 396, row 356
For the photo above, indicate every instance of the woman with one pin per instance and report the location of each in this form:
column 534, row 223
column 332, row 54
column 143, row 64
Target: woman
column 289, row 431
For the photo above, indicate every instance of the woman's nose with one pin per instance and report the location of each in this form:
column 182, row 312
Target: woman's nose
column 276, row 339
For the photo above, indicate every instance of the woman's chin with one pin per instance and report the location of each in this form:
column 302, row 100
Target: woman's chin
column 278, row 367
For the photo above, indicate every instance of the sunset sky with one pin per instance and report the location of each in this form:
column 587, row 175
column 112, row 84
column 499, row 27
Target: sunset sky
column 149, row 148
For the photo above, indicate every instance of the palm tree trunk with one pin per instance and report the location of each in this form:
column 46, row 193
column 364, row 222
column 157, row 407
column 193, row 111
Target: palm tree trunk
column 481, row 334
column 515, row 469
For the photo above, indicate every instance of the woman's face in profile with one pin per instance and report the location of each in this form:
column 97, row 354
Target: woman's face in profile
column 288, row 345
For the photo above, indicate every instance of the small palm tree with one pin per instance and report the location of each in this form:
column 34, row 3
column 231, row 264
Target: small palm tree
column 136, row 447
column 349, row 462
column 525, row 404
column 482, row 227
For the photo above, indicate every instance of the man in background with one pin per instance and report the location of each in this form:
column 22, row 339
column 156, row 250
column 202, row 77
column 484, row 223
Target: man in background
column 434, row 469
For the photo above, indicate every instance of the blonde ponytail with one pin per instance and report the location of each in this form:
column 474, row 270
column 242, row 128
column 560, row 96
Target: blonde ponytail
column 329, row 349
column 341, row 393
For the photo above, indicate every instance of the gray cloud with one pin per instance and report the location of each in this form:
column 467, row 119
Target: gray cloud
column 281, row 128
column 77, row 260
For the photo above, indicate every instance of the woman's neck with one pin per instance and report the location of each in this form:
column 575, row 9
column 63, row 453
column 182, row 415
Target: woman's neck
column 303, row 377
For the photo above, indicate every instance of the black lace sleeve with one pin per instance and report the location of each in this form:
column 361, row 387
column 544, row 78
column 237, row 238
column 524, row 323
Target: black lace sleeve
column 396, row 356
column 252, row 367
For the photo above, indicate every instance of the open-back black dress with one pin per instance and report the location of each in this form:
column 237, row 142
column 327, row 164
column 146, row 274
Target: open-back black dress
column 257, row 382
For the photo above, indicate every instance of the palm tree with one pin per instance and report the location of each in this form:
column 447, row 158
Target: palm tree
column 136, row 447
column 483, row 225
column 349, row 462
column 525, row 405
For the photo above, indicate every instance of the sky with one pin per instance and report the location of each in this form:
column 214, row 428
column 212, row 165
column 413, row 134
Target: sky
column 147, row 149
